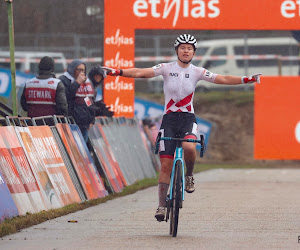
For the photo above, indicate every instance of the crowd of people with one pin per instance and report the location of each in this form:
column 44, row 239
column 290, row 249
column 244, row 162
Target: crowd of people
column 69, row 95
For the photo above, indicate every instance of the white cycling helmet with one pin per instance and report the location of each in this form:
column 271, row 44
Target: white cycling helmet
column 186, row 39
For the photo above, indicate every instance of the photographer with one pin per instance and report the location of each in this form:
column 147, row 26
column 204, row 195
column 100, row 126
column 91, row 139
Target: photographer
column 97, row 75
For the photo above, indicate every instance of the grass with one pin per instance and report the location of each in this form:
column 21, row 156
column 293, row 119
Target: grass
column 16, row 224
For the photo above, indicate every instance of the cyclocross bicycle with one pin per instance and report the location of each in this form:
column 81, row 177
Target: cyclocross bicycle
column 175, row 195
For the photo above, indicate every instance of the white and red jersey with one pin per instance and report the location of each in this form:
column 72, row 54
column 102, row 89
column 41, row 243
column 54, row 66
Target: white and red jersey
column 180, row 84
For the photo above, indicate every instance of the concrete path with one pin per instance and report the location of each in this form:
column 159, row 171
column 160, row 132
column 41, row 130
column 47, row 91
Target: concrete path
column 230, row 209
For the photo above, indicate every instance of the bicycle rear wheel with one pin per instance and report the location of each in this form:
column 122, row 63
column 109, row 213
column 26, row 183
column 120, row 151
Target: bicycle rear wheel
column 176, row 199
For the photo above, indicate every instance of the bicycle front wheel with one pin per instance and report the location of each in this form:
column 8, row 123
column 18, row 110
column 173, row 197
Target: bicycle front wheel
column 176, row 199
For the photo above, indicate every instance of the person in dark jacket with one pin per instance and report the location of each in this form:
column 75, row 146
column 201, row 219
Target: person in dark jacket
column 44, row 95
column 80, row 95
column 97, row 75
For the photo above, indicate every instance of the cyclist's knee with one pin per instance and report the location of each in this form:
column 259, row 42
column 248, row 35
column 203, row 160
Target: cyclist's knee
column 165, row 172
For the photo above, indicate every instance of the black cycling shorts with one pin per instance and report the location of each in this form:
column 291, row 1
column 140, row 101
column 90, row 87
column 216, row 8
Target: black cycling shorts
column 182, row 124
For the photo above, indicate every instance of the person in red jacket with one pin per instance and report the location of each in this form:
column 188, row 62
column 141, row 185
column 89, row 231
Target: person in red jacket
column 44, row 95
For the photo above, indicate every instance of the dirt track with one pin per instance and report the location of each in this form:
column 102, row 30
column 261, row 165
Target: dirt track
column 231, row 209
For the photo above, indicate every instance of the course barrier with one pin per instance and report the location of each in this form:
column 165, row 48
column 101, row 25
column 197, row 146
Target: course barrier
column 7, row 206
column 48, row 166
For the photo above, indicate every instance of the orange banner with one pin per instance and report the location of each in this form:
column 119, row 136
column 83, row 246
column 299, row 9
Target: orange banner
column 17, row 173
column 121, row 21
column 85, row 174
column 277, row 118
column 53, row 163
column 46, row 187
column 108, row 165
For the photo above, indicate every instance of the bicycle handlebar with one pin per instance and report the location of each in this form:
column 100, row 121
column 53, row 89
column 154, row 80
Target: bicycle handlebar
column 201, row 141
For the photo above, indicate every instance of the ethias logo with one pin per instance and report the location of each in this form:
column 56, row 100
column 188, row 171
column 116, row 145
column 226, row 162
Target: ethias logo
column 184, row 8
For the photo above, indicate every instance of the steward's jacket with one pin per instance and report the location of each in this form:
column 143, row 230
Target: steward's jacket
column 42, row 97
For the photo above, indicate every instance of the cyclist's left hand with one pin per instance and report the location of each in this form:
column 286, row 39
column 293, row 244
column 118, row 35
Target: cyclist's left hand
column 251, row 79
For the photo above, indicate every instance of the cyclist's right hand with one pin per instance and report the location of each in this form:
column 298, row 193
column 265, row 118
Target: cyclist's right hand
column 112, row 72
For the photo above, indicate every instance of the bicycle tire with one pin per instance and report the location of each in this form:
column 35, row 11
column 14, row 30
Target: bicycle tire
column 177, row 197
column 171, row 210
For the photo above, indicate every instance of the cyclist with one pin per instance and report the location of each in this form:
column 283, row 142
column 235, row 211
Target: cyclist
column 180, row 78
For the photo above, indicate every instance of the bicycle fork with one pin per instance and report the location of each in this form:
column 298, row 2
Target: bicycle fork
column 178, row 157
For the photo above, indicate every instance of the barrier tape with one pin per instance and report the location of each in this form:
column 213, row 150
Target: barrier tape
column 168, row 58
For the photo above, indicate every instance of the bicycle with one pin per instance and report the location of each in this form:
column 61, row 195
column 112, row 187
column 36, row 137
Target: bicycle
column 175, row 195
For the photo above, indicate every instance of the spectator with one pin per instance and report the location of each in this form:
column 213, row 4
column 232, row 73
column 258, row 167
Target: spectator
column 81, row 95
column 44, row 95
column 97, row 75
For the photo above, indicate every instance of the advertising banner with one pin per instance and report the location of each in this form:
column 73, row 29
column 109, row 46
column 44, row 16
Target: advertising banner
column 68, row 163
column 17, row 173
column 87, row 158
column 38, row 168
column 85, row 175
column 277, row 119
column 5, row 81
column 105, row 158
column 121, row 20
column 112, row 157
column 7, row 206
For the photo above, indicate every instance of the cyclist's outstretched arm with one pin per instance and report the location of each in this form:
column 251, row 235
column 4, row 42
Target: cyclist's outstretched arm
column 228, row 80
column 233, row 80
column 139, row 72
column 132, row 72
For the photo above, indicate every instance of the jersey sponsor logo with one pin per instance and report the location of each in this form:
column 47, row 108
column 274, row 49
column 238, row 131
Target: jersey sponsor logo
column 187, row 76
column 208, row 74
column 157, row 66
column 173, row 74
column 51, row 82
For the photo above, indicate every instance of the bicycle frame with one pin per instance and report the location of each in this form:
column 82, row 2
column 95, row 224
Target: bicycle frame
column 178, row 157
